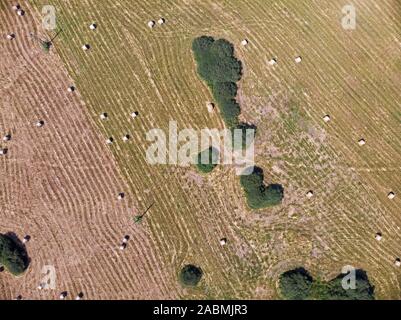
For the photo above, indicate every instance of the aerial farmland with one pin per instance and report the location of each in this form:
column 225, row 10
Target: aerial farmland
column 90, row 215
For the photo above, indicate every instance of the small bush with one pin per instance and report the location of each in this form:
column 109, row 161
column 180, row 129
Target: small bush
column 212, row 156
column 190, row 275
column 12, row 256
column 257, row 194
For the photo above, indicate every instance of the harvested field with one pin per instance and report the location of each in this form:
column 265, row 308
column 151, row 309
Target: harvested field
column 69, row 179
column 59, row 184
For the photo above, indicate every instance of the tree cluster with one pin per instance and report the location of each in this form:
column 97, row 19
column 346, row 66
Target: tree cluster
column 257, row 193
column 218, row 66
column 298, row 284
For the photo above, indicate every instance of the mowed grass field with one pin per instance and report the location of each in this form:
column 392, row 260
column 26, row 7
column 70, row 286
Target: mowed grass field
column 352, row 75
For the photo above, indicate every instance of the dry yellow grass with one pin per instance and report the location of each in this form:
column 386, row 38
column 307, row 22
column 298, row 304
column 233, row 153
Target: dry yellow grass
column 351, row 75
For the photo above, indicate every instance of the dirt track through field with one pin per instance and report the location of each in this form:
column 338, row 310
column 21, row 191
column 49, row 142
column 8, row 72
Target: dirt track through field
column 59, row 184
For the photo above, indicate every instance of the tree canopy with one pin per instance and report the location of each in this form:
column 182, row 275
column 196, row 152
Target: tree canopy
column 190, row 275
column 297, row 284
column 207, row 160
column 218, row 66
column 257, row 193
column 12, row 255
column 333, row 289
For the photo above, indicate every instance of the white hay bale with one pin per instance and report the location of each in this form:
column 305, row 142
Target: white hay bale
column 93, row 26
column 378, row 236
column 309, row 194
column 16, row 7
column 134, row 114
column 71, row 89
column 273, row 61
column 7, row 137
column 103, row 116
column 223, row 241
column 397, row 262
column 121, row 196
column 63, row 295
column 40, row 123
column 3, row 152
column 110, row 140
column 244, row 42
column 41, row 286
column 126, row 137
column 326, row 118
column 86, row 47
column 161, row 21
column 151, row 24
column 20, row 12
column 391, row 195
column 298, row 59
column 361, row 142
column 123, row 246
column 126, row 238
column 10, row 36
column 18, row 297
column 210, row 107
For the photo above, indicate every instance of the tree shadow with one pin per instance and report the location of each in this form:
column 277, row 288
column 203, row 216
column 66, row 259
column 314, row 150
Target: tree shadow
column 302, row 271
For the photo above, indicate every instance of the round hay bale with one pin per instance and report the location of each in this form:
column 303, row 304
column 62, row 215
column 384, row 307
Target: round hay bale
column 273, row 61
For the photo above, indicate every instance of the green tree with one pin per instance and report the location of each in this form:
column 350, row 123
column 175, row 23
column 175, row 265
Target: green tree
column 190, row 275
column 220, row 69
column 230, row 111
column 296, row 284
column 12, row 256
column 223, row 91
column 258, row 195
column 244, row 127
column 334, row 290
column 207, row 160
column 201, row 46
